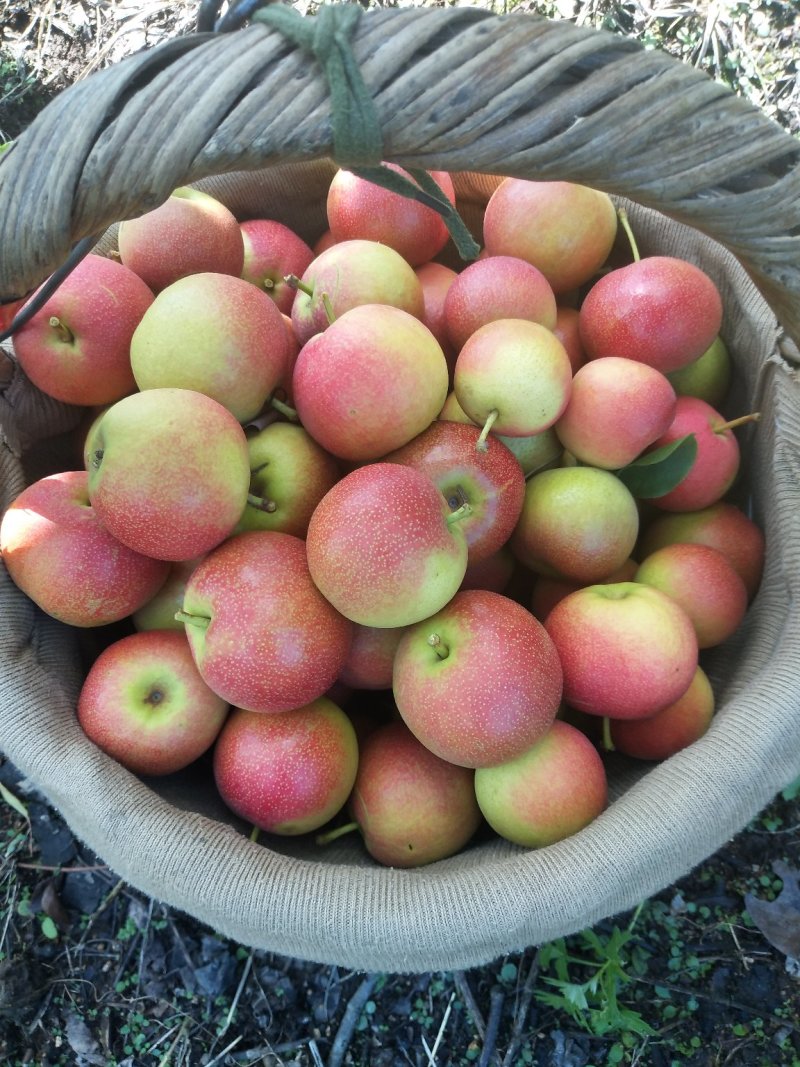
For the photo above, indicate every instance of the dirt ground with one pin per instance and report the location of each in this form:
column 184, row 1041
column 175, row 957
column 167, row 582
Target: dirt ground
column 92, row 972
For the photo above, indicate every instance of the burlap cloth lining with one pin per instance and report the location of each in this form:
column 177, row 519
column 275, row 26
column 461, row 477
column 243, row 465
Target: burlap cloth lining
column 173, row 840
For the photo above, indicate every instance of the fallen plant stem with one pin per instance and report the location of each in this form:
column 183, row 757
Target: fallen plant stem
column 164, row 1061
column 521, row 1013
column 351, row 1016
column 62, row 870
column 431, row 1052
column 235, row 1002
column 496, row 1001
column 465, row 992
column 110, row 896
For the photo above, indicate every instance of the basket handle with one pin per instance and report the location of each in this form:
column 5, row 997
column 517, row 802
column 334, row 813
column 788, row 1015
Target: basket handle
column 517, row 94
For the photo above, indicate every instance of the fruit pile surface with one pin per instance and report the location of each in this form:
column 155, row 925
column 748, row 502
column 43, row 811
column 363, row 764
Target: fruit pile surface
column 407, row 549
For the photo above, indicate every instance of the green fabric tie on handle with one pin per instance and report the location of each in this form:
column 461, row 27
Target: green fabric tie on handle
column 357, row 138
column 427, row 192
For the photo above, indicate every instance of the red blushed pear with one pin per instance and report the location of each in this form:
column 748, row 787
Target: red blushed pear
column 537, row 452
column 358, row 208
column 627, row 650
column 436, row 279
column 565, row 229
column 497, row 287
column 58, row 552
column 493, row 573
column 489, row 480
column 717, row 463
column 384, row 547
column 479, row 682
column 708, row 378
column 705, row 585
column 567, row 330
column 374, row 380
column 411, row 807
column 144, row 703
column 617, row 407
column 76, row 348
column 169, row 472
column 513, row 377
column 290, row 474
column 271, row 252
column 578, row 523
column 217, row 335
column 287, row 774
column 347, row 275
column 261, row 633
column 452, row 411
column 8, row 312
column 533, row 453
column 547, row 592
column 668, row 731
column 159, row 611
column 371, row 657
column 549, row 792
column 722, row 526
column 325, row 241
column 190, row 233
column 659, row 310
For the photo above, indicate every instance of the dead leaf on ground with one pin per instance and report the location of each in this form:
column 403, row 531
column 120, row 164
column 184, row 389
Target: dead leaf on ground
column 779, row 919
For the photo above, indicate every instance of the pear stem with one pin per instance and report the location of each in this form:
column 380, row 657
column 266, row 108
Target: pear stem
column 491, row 418
column 262, row 503
column 754, row 416
column 326, row 303
column 625, row 223
column 337, row 832
column 64, row 333
column 458, row 514
column 608, row 744
column 284, row 409
column 254, row 833
column 438, row 646
column 294, row 283
column 200, row 621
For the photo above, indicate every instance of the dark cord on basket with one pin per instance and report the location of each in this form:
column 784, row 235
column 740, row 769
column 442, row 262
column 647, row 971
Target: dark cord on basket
column 357, row 138
column 79, row 251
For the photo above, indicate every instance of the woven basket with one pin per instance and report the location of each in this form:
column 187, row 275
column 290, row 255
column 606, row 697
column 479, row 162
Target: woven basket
column 247, row 116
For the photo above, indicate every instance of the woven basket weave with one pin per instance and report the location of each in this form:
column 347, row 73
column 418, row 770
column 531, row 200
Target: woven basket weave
column 247, row 116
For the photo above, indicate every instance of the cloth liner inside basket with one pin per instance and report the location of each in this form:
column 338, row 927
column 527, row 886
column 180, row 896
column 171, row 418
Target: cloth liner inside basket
column 173, row 838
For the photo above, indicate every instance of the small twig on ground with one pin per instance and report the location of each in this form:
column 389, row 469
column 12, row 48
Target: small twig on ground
column 237, row 995
column 431, row 1052
column 145, row 939
column 475, row 1013
column 180, row 943
column 62, row 870
column 521, row 1013
column 351, row 1016
column 164, row 1061
column 316, row 1056
column 10, row 906
column 497, row 998
column 221, row 1055
column 126, row 958
column 111, row 895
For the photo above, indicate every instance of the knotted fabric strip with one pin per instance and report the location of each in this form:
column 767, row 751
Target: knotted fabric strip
column 357, row 138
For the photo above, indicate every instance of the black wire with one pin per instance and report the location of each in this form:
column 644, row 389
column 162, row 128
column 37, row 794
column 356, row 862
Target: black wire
column 81, row 249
